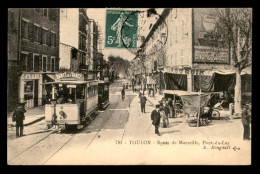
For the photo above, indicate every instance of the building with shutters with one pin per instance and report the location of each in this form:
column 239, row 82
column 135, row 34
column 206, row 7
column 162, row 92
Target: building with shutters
column 33, row 53
column 74, row 36
column 187, row 56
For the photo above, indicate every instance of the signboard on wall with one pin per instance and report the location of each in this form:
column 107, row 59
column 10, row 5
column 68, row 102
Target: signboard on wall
column 203, row 54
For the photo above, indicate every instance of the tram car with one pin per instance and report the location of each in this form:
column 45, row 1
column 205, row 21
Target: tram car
column 103, row 94
column 73, row 102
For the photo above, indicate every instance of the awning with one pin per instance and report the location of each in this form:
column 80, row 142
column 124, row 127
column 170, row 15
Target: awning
column 227, row 72
column 150, row 80
column 52, row 76
column 181, row 93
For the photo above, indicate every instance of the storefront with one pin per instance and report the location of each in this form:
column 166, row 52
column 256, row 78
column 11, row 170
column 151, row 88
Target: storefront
column 30, row 89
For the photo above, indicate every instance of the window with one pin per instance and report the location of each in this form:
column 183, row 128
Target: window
column 53, row 39
column 40, row 63
column 52, row 14
column 45, row 12
column 182, row 56
column 28, row 90
column 30, row 62
column 52, row 64
column 23, row 62
column 49, row 64
column 36, row 63
column 40, row 30
column 25, row 29
column 10, row 20
column 36, row 33
column 38, row 10
column 44, row 36
column 57, row 64
column 44, row 64
column 48, row 38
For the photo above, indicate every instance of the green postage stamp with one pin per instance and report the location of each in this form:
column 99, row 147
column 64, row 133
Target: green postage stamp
column 121, row 29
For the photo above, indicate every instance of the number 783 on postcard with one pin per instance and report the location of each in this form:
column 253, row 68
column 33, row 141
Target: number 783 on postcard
column 121, row 29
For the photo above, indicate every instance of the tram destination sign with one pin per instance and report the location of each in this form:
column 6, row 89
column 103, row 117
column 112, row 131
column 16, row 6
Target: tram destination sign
column 206, row 54
column 69, row 75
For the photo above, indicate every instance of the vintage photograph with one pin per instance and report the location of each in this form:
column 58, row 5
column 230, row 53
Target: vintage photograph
column 129, row 86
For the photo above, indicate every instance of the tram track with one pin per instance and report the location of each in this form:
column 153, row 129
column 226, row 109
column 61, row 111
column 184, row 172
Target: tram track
column 30, row 147
column 42, row 150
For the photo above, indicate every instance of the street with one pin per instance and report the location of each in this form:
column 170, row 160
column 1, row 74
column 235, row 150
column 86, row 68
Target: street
column 121, row 134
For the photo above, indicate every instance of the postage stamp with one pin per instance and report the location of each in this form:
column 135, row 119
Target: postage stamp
column 121, row 30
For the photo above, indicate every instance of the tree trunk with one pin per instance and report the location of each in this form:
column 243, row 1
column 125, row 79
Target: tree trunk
column 237, row 97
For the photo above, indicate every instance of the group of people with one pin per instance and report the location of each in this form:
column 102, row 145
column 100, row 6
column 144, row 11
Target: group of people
column 161, row 114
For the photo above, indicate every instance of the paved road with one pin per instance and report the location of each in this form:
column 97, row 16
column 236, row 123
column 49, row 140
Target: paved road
column 123, row 135
column 109, row 124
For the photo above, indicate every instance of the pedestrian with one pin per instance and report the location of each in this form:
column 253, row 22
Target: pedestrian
column 246, row 114
column 123, row 93
column 167, row 112
column 155, row 117
column 171, row 109
column 143, row 102
column 163, row 118
column 18, row 117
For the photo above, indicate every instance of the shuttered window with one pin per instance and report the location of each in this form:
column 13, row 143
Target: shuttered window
column 24, row 29
column 40, row 63
column 52, row 64
column 30, row 62
column 36, row 63
column 57, row 60
column 30, row 31
column 48, row 64
column 44, row 64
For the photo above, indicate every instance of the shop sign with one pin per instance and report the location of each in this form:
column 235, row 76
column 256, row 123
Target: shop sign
column 69, row 75
column 204, row 54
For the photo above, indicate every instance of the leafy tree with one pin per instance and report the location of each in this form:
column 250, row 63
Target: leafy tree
column 234, row 27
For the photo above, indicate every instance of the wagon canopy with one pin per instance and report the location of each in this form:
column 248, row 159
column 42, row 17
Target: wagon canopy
column 192, row 101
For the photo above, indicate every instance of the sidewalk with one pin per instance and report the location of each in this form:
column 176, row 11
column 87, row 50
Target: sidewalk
column 32, row 116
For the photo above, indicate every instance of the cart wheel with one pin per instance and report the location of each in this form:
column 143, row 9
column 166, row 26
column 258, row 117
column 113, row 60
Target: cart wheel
column 187, row 115
column 216, row 114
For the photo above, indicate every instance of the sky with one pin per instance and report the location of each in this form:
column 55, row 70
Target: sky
column 99, row 15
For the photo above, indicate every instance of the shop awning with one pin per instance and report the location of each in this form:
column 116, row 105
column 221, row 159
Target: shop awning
column 52, row 76
column 228, row 72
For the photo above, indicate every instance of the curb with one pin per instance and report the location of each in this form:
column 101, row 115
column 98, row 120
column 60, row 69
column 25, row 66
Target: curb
column 30, row 123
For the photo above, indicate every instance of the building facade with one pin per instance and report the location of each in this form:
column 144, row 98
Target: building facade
column 73, row 39
column 189, row 58
column 93, row 61
column 33, row 52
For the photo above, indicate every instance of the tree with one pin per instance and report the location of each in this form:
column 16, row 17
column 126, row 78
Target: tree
column 120, row 65
column 234, row 26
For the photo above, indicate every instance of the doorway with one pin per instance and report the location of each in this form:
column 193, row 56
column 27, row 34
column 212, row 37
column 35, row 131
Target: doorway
column 36, row 93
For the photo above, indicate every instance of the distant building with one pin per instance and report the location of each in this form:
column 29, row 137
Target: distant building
column 93, row 61
column 73, row 39
column 33, row 53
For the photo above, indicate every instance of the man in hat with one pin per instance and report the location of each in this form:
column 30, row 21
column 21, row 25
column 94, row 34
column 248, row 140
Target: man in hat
column 143, row 102
column 246, row 121
column 18, row 117
column 155, row 117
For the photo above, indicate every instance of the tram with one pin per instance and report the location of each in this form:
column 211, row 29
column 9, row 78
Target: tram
column 103, row 94
column 74, row 101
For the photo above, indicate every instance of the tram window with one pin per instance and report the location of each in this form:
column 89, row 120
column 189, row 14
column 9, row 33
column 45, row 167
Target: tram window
column 80, row 93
